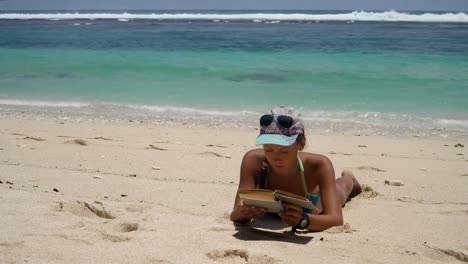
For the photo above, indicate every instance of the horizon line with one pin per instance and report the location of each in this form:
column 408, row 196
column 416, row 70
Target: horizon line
column 230, row 9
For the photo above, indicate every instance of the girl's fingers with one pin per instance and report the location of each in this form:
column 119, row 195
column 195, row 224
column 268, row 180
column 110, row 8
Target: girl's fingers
column 253, row 211
column 291, row 207
column 292, row 221
column 292, row 214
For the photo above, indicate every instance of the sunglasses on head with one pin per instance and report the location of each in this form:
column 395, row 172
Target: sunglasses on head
column 282, row 121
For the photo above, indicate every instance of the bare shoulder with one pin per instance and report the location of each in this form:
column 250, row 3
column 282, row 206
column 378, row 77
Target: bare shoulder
column 251, row 166
column 315, row 161
column 253, row 157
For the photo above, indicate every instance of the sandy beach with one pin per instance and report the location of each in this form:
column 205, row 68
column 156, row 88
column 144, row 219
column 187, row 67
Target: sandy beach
column 81, row 190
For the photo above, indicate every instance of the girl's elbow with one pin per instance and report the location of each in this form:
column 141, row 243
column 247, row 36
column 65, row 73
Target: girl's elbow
column 338, row 221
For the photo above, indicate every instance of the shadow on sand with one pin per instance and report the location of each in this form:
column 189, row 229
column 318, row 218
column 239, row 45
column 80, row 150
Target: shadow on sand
column 271, row 228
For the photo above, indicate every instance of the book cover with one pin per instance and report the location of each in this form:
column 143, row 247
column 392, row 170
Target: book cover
column 272, row 200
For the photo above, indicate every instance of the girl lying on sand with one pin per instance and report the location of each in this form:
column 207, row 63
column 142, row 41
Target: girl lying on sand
column 281, row 165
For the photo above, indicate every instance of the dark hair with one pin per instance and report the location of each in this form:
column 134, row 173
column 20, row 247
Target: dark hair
column 301, row 140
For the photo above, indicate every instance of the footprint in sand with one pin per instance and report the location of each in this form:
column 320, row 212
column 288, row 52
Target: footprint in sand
column 218, row 146
column 239, row 256
column 34, row 138
column 84, row 209
column 97, row 209
column 211, row 153
column 114, row 238
column 340, row 153
column 408, row 252
column 228, row 254
column 439, row 253
column 370, row 168
column 462, row 212
column 126, row 227
column 135, row 209
column 10, row 245
column 156, row 148
column 157, row 260
column 66, row 237
column 102, row 138
column 80, row 142
column 17, row 134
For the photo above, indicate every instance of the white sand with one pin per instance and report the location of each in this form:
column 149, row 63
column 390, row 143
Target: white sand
column 179, row 212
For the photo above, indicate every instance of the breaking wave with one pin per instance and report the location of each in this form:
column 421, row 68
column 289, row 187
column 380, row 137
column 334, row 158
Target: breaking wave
column 387, row 16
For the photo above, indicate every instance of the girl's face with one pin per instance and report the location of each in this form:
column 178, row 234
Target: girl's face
column 279, row 156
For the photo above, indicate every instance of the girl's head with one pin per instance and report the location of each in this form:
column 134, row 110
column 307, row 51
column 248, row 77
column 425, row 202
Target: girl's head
column 282, row 126
column 282, row 135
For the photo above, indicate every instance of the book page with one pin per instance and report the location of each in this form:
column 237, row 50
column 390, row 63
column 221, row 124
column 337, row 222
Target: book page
column 261, row 198
column 270, row 206
column 301, row 201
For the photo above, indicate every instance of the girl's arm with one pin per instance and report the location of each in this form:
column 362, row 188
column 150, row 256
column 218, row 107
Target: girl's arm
column 242, row 212
column 331, row 214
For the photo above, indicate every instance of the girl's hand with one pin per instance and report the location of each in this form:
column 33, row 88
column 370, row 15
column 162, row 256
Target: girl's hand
column 246, row 213
column 292, row 214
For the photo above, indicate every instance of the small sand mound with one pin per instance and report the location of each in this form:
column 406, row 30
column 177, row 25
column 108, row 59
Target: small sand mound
column 368, row 192
column 346, row 228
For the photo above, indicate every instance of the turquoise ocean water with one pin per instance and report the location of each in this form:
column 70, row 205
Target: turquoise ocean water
column 406, row 69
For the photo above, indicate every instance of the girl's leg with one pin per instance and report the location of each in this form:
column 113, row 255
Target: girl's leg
column 347, row 186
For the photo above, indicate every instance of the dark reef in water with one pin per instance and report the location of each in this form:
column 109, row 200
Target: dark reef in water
column 264, row 77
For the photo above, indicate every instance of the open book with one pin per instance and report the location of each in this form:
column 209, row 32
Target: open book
column 273, row 200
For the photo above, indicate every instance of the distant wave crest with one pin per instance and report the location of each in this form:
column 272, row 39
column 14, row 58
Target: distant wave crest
column 36, row 103
column 390, row 16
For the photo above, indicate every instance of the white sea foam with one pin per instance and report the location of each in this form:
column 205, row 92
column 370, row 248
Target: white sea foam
column 340, row 118
column 452, row 122
column 391, row 16
column 186, row 110
column 13, row 102
column 382, row 118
